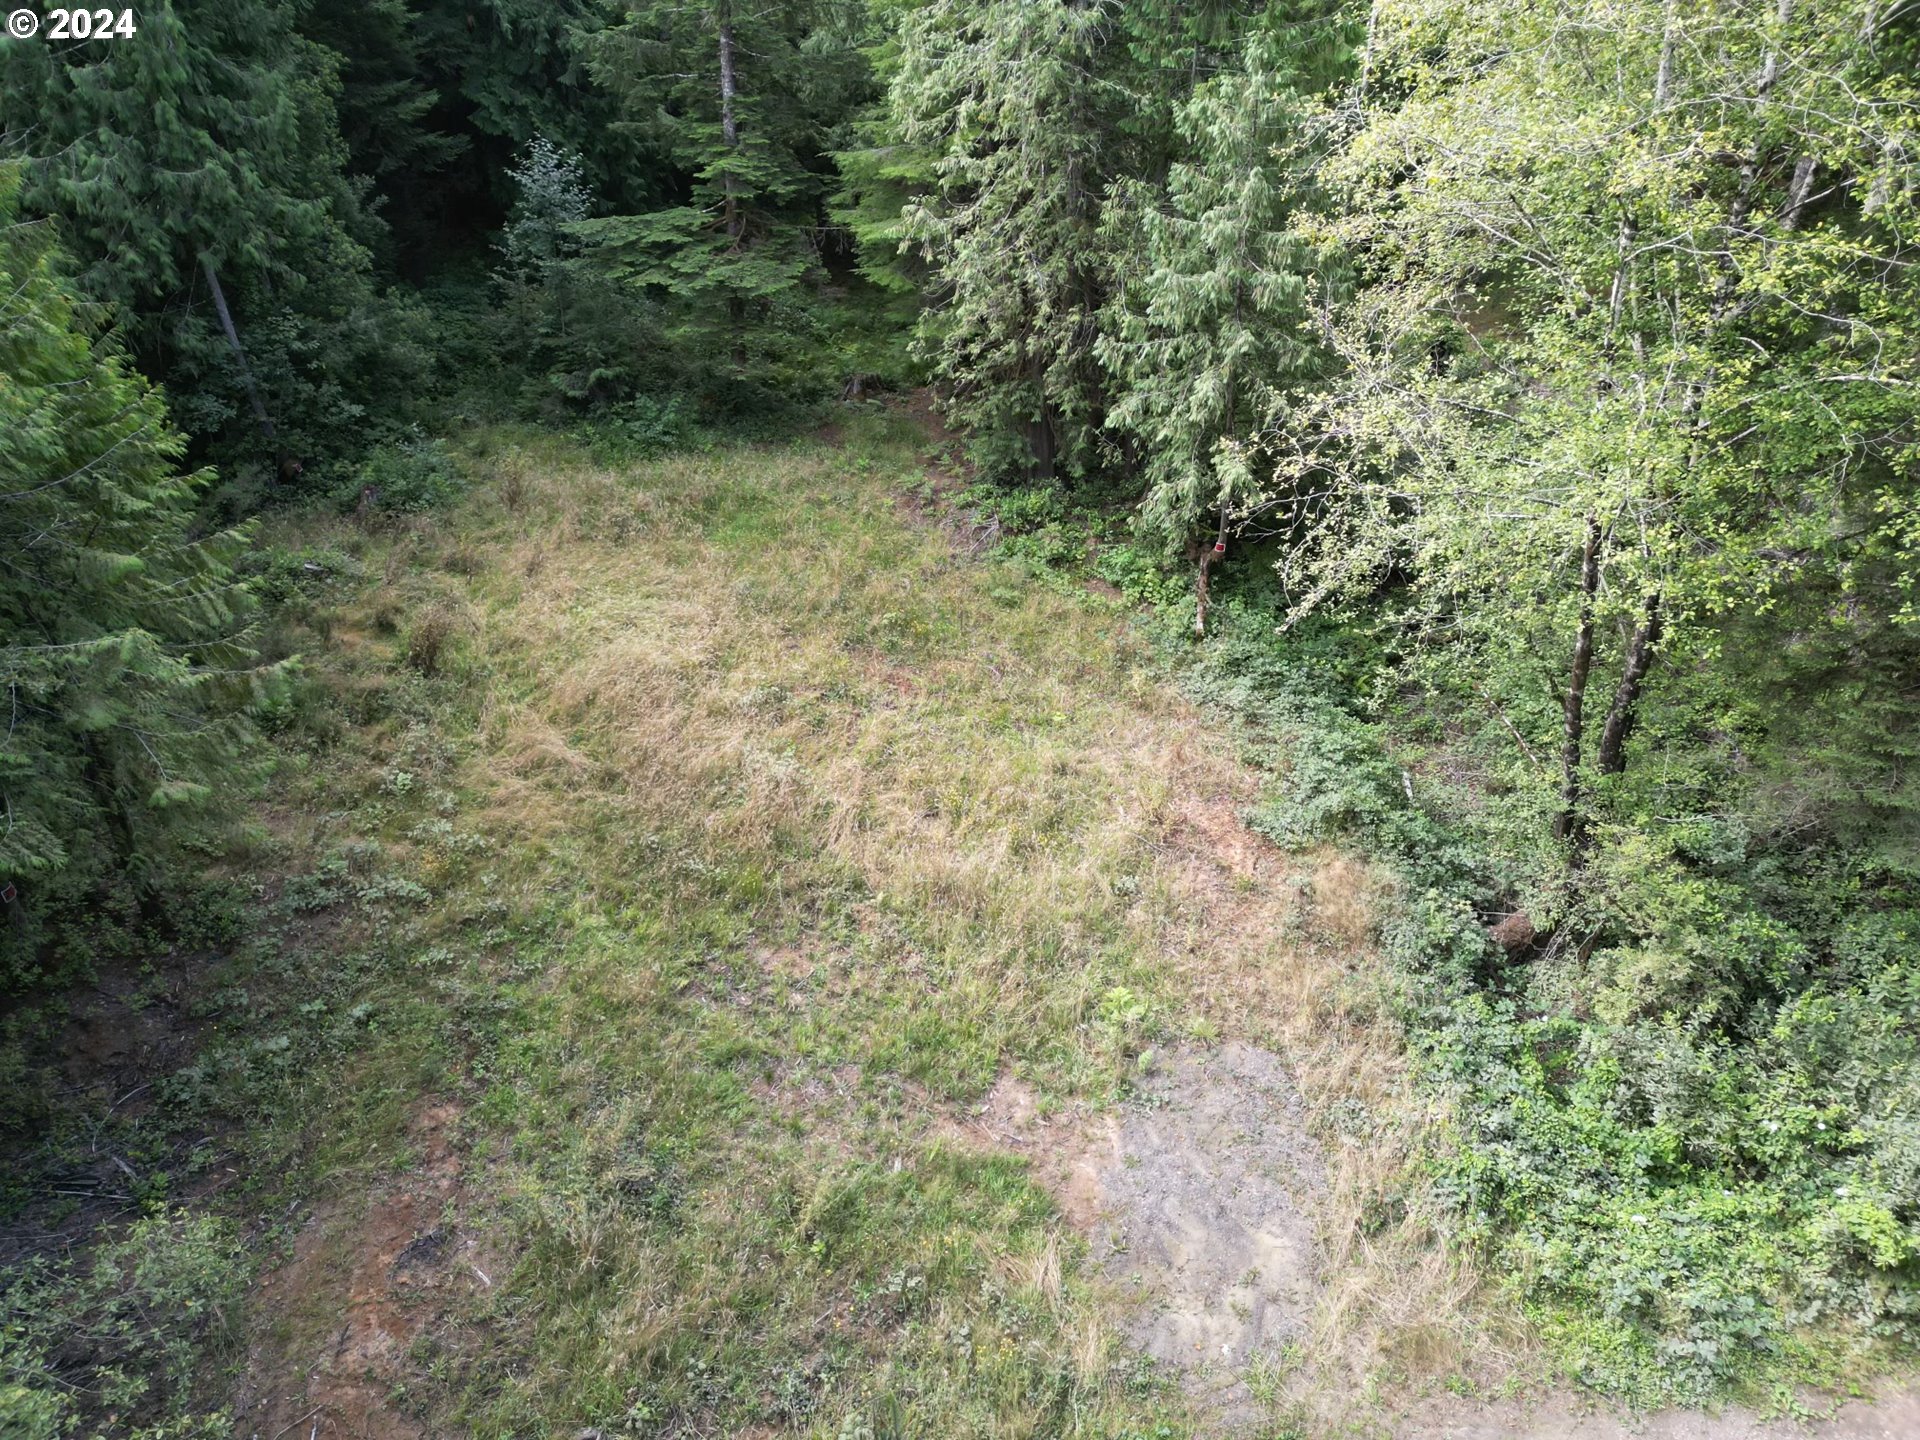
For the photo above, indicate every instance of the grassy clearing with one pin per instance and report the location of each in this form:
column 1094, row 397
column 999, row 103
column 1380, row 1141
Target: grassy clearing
column 720, row 829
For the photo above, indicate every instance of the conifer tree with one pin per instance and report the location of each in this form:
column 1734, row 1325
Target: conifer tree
column 124, row 664
column 1013, row 130
column 1013, row 99
column 737, row 101
column 508, row 71
column 881, row 175
column 1209, row 317
column 389, row 110
column 200, row 168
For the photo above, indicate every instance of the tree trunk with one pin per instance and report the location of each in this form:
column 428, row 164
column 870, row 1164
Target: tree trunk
column 732, row 215
column 1798, row 192
column 1663, row 81
column 1569, row 824
column 729, row 122
column 1201, row 596
column 1612, row 758
column 1628, row 232
column 1040, row 439
column 240, row 358
column 1366, row 54
column 111, row 798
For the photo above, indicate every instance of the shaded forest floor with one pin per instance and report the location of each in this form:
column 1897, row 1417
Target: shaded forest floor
column 734, row 958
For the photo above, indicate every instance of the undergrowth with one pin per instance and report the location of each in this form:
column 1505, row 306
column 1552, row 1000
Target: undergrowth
column 137, row 1340
column 1687, row 1134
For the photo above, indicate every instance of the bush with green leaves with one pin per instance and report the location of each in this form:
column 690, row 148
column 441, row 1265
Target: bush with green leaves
column 644, row 427
column 131, row 1341
column 406, row 476
column 1692, row 1138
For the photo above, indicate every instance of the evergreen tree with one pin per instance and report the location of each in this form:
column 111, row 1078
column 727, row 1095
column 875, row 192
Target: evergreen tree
column 881, row 174
column 1013, row 129
column 1013, row 99
column 200, row 176
column 124, row 665
column 739, row 102
column 390, row 112
column 507, row 71
column 586, row 337
column 1209, row 318
column 881, row 177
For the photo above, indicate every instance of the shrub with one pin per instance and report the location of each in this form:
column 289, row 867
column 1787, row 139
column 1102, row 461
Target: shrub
column 130, row 1343
column 405, row 476
column 643, row 427
column 1692, row 1140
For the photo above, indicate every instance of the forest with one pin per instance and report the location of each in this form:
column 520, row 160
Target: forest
column 657, row 583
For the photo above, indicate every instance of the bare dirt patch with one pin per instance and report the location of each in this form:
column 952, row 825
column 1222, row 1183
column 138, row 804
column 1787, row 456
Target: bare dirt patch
column 1197, row 1198
column 1200, row 1201
column 1896, row 1416
column 360, row 1288
column 1063, row 1150
column 1204, row 1195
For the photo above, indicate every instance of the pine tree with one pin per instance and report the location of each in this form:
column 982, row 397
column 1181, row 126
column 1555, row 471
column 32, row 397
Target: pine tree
column 588, row 338
column 738, row 102
column 200, row 170
column 391, row 114
column 1011, row 130
column 508, row 71
column 1013, row 100
column 1209, row 320
column 124, row 665
column 881, row 176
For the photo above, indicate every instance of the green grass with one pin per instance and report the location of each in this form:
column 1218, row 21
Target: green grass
column 741, row 835
column 661, row 862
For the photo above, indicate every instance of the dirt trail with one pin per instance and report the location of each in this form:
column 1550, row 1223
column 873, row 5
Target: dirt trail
column 356, row 1293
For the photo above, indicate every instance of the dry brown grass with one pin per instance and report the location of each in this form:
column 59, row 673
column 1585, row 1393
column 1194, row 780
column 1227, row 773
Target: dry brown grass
column 760, row 660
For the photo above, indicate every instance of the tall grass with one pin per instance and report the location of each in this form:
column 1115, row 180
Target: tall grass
column 800, row 828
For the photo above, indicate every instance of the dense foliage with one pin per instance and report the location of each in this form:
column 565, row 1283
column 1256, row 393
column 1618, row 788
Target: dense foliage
column 123, row 650
column 1522, row 402
column 129, row 1332
column 1621, row 453
column 1561, row 362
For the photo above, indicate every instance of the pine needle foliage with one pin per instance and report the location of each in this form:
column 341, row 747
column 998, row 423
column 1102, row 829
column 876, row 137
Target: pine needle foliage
column 1017, row 103
column 206, row 155
column 1210, row 317
column 125, row 668
column 736, row 101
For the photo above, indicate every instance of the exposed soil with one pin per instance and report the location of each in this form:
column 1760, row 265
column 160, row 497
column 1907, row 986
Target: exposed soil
column 1895, row 1416
column 360, row 1288
column 130, row 1025
column 1062, row 1150
column 1204, row 1193
column 1198, row 1199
